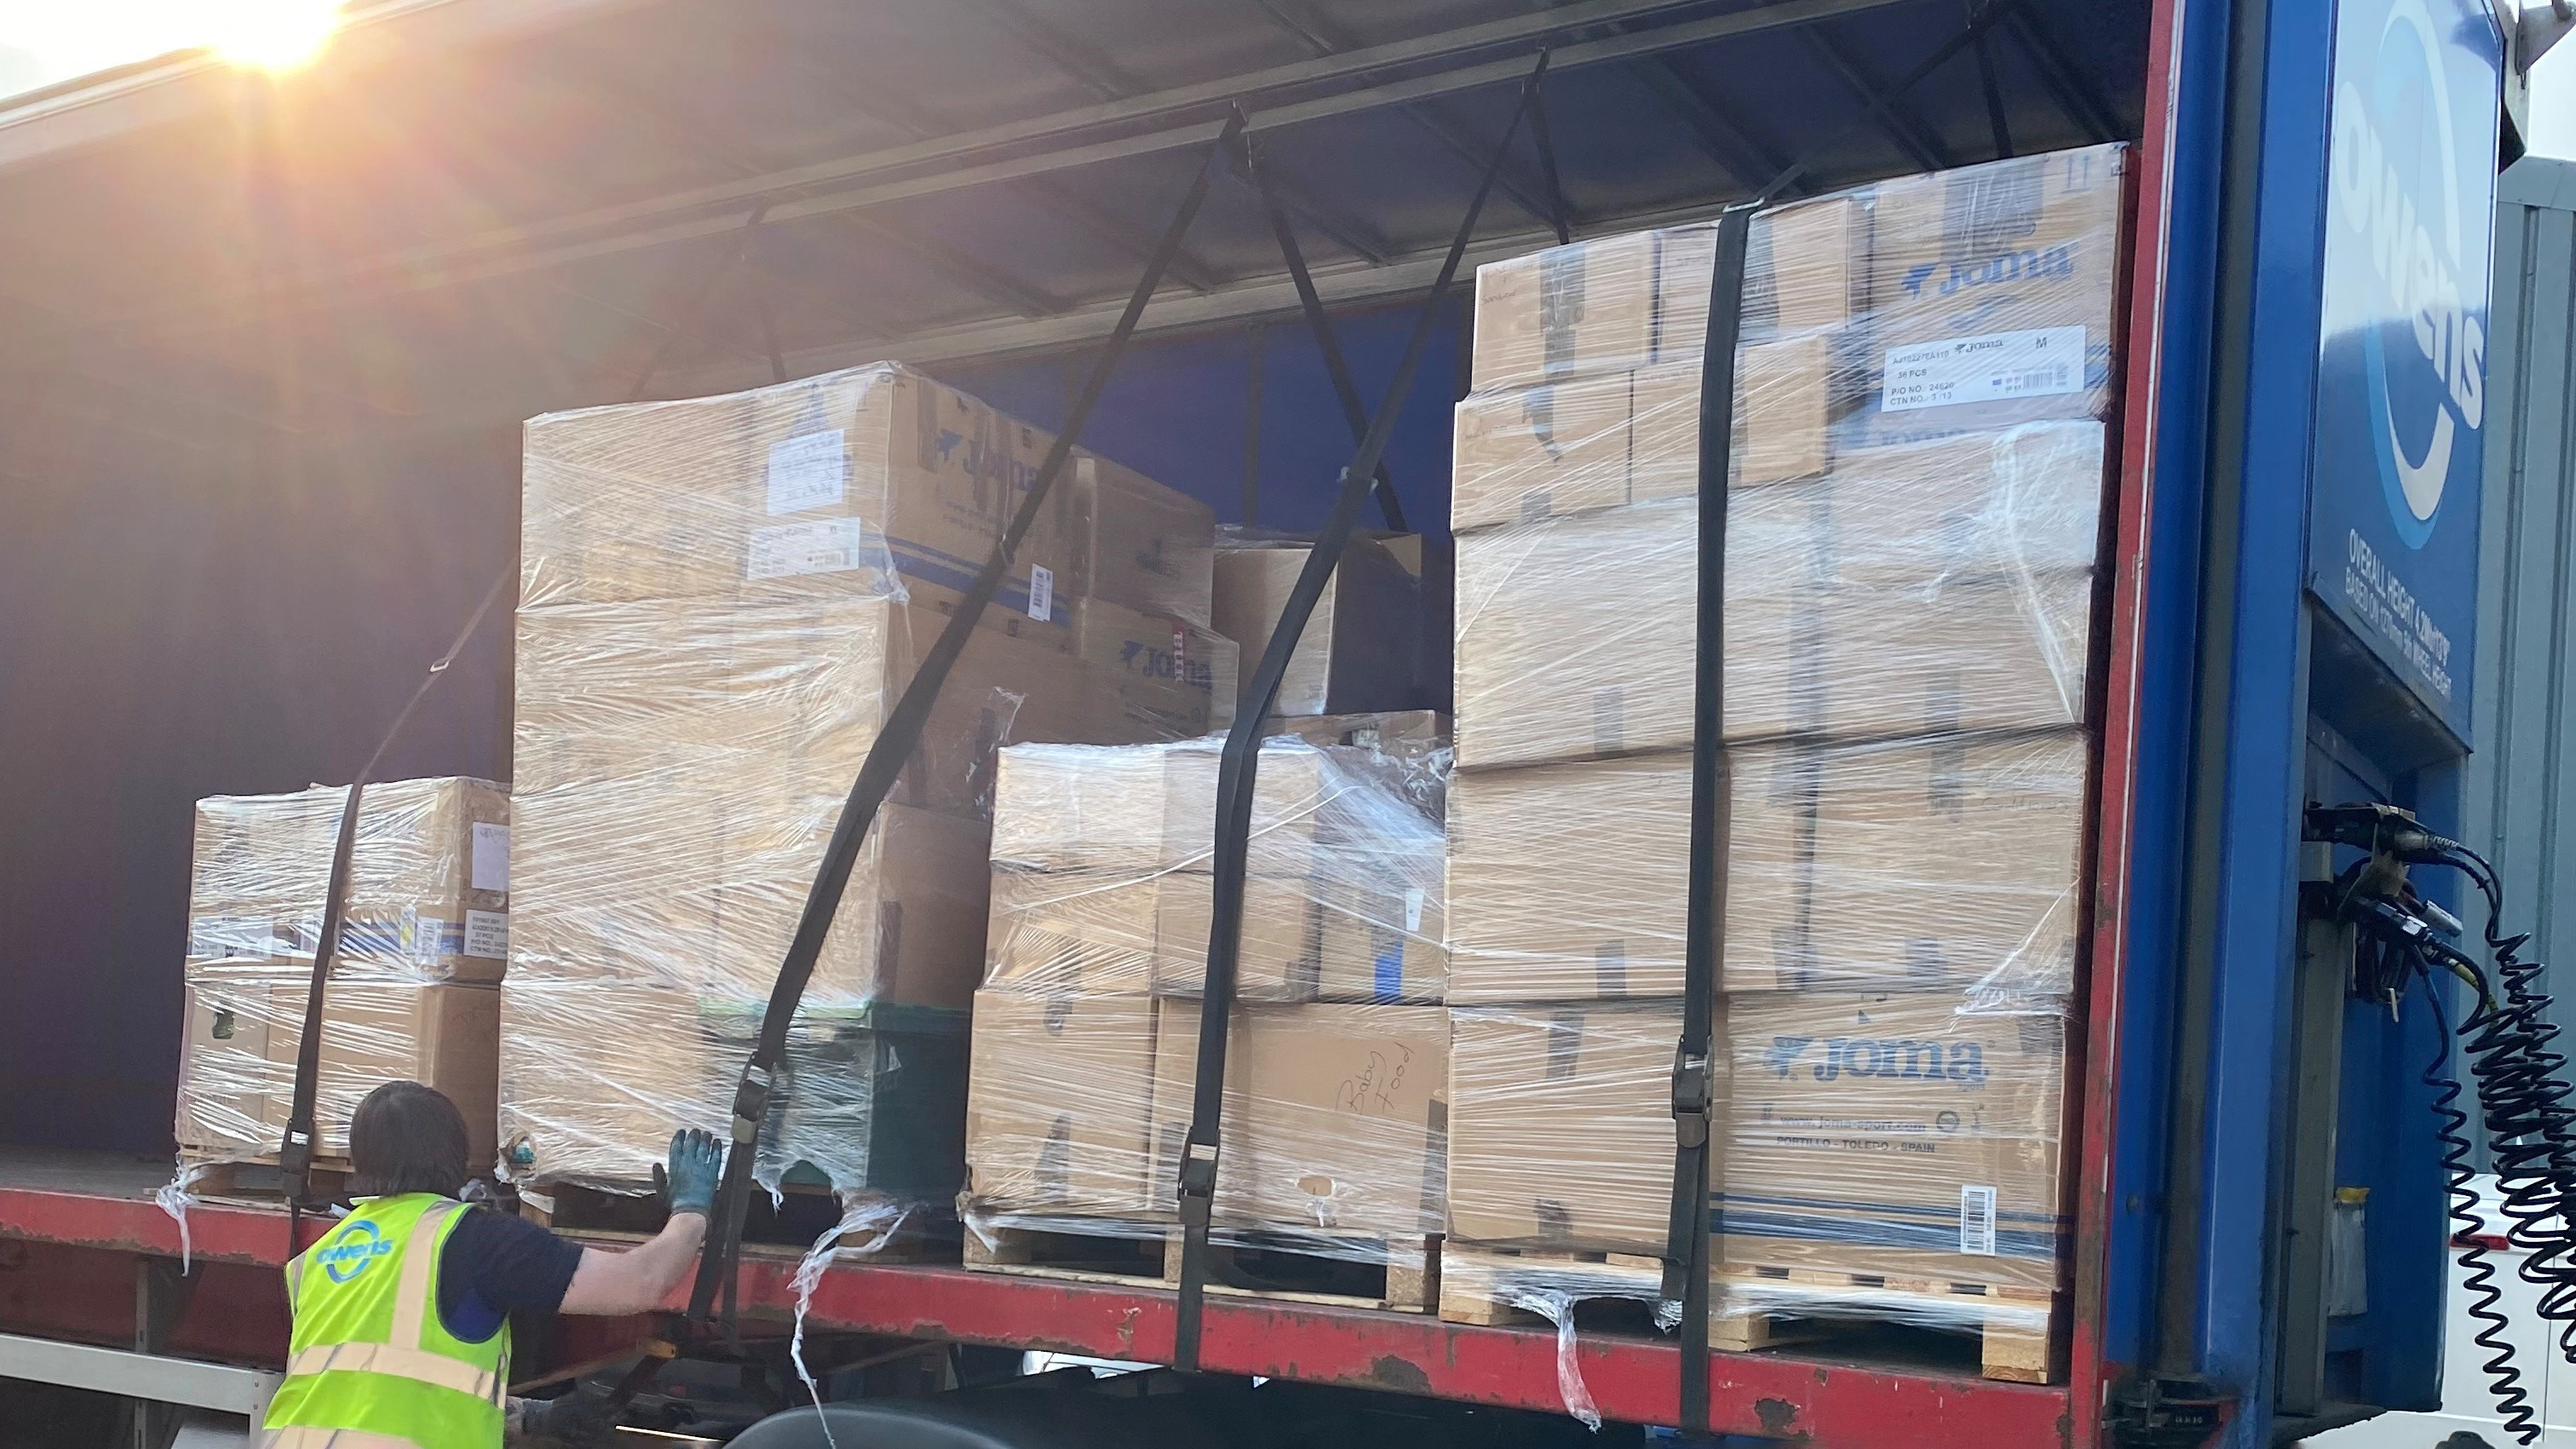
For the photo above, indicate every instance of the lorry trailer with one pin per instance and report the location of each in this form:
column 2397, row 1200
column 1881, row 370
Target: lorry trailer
column 270, row 338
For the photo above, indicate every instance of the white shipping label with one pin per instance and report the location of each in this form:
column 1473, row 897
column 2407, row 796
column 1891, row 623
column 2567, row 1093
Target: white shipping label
column 1995, row 367
column 1977, row 1220
column 828, row 546
column 487, row 934
column 1041, row 592
column 491, row 870
column 230, row 938
column 1413, row 909
column 807, row 471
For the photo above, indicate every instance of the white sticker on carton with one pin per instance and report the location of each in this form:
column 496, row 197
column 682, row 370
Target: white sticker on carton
column 1041, row 592
column 487, row 934
column 1995, row 367
column 491, row 870
column 233, row 938
column 807, row 471
column 827, row 546
column 1413, row 909
column 1977, row 1220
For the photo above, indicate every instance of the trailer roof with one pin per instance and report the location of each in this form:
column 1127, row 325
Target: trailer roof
column 472, row 210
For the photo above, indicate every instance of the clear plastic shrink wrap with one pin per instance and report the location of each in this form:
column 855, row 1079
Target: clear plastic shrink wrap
column 1086, row 1031
column 424, row 938
column 722, row 601
column 1903, row 1140
column 1924, row 374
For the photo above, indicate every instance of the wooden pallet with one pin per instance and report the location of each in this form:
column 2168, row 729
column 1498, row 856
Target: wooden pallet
column 923, row 1232
column 1761, row 1306
column 1400, row 1275
column 262, row 1182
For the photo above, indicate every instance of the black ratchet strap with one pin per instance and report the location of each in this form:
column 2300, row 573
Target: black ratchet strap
column 1695, row 1105
column 1354, row 411
column 1241, row 758
column 295, row 1146
column 885, row 763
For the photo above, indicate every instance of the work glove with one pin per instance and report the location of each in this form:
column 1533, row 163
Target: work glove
column 574, row 1421
column 697, row 1160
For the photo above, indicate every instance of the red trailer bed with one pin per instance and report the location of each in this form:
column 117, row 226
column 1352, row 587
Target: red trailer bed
column 77, row 1225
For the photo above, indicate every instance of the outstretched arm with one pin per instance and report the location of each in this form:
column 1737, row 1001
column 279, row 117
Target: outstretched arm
column 639, row 1279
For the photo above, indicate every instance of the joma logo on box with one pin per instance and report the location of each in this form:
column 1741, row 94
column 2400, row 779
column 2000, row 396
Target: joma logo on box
column 1859, row 1056
column 2051, row 265
column 987, row 459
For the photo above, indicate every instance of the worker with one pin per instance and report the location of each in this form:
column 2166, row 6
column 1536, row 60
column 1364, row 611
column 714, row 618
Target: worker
column 401, row 1312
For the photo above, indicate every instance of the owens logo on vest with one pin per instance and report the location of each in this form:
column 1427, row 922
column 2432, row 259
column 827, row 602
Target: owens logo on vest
column 358, row 1247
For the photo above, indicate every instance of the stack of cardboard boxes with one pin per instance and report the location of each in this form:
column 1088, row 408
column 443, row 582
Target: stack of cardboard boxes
column 413, row 994
column 722, row 600
column 1918, row 466
column 1087, row 1029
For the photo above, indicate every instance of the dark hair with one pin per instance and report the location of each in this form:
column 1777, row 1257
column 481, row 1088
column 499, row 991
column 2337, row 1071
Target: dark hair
column 406, row 1138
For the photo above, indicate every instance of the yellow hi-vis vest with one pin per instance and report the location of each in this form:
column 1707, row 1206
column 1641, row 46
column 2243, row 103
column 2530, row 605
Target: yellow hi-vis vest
column 369, row 1365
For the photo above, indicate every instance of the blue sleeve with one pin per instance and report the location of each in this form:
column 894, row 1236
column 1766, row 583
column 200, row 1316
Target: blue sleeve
column 493, row 1266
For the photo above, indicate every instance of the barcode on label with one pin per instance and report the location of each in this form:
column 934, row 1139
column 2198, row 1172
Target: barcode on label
column 827, row 546
column 1977, row 1220
column 1993, row 367
column 1041, row 592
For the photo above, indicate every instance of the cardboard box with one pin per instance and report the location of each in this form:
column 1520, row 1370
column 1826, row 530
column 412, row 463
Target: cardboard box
column 1335, row 1117
column 911, row 923
column 617, row 880
column 429, row 879
column 1568, row 882
column 1951, row 864
column 608, row 691
column 1541, row 451
column 1853, row 608
column 596, row 1075
column 1913, row 1134
column 842, row 485
column 1995, row 293
column 1359, row 650
column 1561, row 1126
column 1139, row 544
column 1805, row 273
column 1904, row 1135
column 227, row 1084
column 1589, row 307
column 1144, row 808
column 1165, row 677
column 1383, row 941
column 1784, row 407
column 1080, row 807
column 445, row 1036
column 1065, row 932
column 1059, row 1109
column 1948, row 864
column 1276, row 958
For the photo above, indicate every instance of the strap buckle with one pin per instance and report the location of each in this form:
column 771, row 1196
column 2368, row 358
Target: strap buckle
column 751, row 1105
column 1198, row 1184
column 1691, row 1095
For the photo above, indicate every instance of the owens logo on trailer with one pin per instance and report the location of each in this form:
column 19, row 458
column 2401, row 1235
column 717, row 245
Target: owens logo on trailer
column 2397, row 193
column 2398, row 441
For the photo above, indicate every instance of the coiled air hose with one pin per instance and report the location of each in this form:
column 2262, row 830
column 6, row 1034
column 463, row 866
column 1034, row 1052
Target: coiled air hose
column 2507, row 1040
